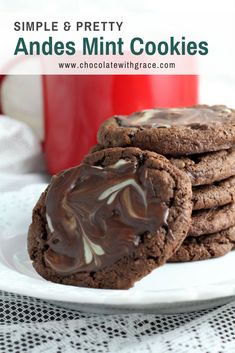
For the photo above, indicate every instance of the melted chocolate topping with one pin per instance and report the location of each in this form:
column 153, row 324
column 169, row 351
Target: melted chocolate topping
column 168, row 117
column 97, row 215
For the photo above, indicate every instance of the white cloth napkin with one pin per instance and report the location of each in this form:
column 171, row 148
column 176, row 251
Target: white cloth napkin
column 20, row 148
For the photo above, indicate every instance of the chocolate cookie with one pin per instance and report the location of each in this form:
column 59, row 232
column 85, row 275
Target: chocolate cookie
column 172, row 131
column 205, row 246
column 213, row 220
column 204, row 169
column 111, row 220
column 217, row 194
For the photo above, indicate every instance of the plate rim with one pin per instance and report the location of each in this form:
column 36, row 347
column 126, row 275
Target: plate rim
column 17, row 282
column 110, row 297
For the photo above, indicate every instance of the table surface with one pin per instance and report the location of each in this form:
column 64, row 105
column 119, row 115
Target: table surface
column 32, row 325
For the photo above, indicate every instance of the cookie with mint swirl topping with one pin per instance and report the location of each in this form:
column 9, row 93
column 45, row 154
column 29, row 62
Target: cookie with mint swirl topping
column 110, row 221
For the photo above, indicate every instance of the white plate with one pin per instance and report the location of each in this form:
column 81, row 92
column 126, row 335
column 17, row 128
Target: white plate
column 171, row 288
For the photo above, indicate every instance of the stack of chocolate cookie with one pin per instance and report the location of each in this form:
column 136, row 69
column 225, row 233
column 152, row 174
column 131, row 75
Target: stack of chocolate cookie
column 159, row 187
column 199, row 141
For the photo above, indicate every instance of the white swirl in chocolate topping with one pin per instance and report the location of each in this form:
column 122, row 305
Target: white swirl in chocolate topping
column 169, row 117
column 113, row 191
column 95, row 216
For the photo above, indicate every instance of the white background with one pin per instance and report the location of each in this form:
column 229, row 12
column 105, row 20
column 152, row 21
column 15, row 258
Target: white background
column 199, row 16
column 212, row 21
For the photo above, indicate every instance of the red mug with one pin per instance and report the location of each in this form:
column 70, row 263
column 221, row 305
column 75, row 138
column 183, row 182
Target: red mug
column 76, row 105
